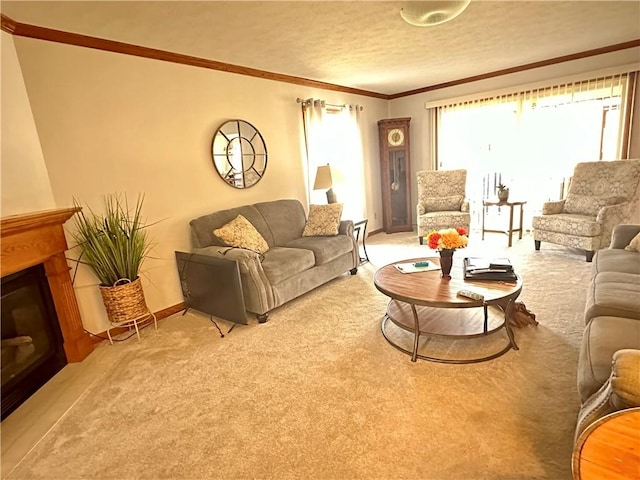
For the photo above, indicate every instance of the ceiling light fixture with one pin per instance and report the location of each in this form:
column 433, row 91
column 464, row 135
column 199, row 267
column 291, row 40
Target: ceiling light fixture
column 429, row 14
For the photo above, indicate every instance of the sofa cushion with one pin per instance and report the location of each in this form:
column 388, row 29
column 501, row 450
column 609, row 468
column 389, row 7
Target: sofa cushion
column 603, row 337
column 588, row 204
column 281, row 263
column 616, row 260
column 613, row 294
column 325, row 249
column 285, row 218
column 240, row 233
column 442, row 204
column 323, row 220
column 202, row 227
column 570, row 224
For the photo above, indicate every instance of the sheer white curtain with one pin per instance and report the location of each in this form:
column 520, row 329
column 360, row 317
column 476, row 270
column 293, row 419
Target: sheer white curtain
column 333, row 136
column 531, row 140
column 315, row 142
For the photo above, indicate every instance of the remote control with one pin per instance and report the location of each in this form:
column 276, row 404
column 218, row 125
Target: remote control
column 471, row 295
column 421, row 264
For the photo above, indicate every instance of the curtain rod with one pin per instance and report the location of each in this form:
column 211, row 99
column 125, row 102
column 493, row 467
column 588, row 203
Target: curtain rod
column 307, row 102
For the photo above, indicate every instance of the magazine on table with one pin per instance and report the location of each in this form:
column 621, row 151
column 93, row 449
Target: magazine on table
column 415, row 267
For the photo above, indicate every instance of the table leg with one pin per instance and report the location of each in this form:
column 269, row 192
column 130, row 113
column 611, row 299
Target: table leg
column 416, row 333
column 510, row 225
column 520, row 236
column 486, row 318
column 364, row 244
column 507, row 313
column 483, row 214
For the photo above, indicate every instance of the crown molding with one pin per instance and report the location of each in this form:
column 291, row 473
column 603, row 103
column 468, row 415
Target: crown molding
column 522, row 68
column 48, row 34
column 7, row 24
column 68, row 38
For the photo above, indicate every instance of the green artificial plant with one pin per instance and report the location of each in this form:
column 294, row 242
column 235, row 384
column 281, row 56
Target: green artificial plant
column 113, row 244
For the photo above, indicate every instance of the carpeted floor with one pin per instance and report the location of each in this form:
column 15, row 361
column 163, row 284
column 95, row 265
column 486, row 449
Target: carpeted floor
column 317, row 392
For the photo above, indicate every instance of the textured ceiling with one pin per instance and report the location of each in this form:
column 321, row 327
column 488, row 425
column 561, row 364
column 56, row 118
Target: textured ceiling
column 364, row 45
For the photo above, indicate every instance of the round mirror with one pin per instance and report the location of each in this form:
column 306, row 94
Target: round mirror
column 239, row 153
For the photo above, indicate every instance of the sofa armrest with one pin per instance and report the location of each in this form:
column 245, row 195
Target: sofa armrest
column 258, row 294
column 608, row 217
column 620, row 391
column 622, row 235
column 243, row 256
column 552, row 208
column 346, row 228
column 465, row 206
column 421, row 209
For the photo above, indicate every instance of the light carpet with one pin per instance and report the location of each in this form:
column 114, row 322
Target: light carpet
column 318, row 393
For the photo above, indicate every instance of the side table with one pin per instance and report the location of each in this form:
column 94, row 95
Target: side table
column 609, row 448
column 510, row 205
column 357, row 226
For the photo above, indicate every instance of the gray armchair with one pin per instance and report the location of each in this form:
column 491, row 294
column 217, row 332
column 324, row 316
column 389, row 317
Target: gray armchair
column 601, row 195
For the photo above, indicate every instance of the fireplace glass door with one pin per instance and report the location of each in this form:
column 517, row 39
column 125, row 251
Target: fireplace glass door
column 32, row 350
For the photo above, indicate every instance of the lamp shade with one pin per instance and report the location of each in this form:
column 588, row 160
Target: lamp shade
column 323, row 178
column 429, row 14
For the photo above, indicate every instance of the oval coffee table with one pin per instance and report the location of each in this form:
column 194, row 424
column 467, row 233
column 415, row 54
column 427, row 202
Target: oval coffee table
column 422, row 303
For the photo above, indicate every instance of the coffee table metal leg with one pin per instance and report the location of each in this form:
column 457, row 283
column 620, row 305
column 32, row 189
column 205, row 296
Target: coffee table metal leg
column 486, row 318
column 507, row 327
column 416, row 333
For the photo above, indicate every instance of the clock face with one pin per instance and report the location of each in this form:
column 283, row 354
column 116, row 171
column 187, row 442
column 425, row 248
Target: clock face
column 395, row 137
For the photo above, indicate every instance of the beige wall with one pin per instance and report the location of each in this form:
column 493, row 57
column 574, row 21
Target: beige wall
column 414, row 106
column 25, row 182
column 115, row 123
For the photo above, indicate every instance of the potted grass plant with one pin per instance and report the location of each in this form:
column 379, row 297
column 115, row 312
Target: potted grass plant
column 114, row 245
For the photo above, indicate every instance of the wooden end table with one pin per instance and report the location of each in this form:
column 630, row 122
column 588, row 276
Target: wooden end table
column 511, row 205
column 421, row 302
column 609, row 448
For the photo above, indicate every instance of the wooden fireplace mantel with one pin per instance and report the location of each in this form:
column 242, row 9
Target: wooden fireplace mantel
column 35, row 238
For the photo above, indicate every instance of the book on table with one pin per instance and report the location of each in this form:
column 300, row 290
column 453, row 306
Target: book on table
column 478, row 268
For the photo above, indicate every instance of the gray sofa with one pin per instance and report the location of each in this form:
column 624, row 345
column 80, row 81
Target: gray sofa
column 611, row 340
column 293, row 265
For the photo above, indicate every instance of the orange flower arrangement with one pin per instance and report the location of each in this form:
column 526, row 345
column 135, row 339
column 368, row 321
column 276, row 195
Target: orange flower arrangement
column 448, row 239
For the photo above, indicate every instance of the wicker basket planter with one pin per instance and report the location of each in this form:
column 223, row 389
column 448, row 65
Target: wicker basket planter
column 125, row 302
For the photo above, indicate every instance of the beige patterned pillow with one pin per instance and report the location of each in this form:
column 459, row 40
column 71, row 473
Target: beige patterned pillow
column 323, row 220
column 443, row 204
column 634, row 244
column 587, row 204
column 240, row 233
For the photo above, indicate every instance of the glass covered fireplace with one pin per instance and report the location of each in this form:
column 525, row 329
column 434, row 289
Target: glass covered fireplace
column 41, row 325
column 32, row 345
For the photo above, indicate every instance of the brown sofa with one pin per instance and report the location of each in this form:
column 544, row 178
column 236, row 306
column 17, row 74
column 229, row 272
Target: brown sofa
column 609, row 361
column 292, row 266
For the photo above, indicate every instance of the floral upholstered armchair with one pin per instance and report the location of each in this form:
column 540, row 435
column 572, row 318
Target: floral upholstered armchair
column 441, row 201
column 601, row 195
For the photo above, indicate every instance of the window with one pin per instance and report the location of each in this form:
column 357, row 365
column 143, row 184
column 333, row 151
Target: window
column 531, row 140
column 333, row 137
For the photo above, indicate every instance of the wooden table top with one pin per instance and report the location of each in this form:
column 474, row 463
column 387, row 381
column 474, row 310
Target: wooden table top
column 498, row 203
column 611, row 449
column 429, row 289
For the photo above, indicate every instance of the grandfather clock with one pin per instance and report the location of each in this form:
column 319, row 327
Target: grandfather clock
column 396, row 175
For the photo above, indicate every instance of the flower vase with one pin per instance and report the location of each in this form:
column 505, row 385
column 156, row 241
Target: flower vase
column 446, row 261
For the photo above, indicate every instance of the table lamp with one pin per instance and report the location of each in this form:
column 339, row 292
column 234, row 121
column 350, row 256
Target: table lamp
column 324, row 180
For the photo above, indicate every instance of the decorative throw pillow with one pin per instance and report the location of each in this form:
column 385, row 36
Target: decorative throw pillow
column 240, row 233
column 634, row 244
column 443, row 204
column 323, row 220
column 587, row 204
